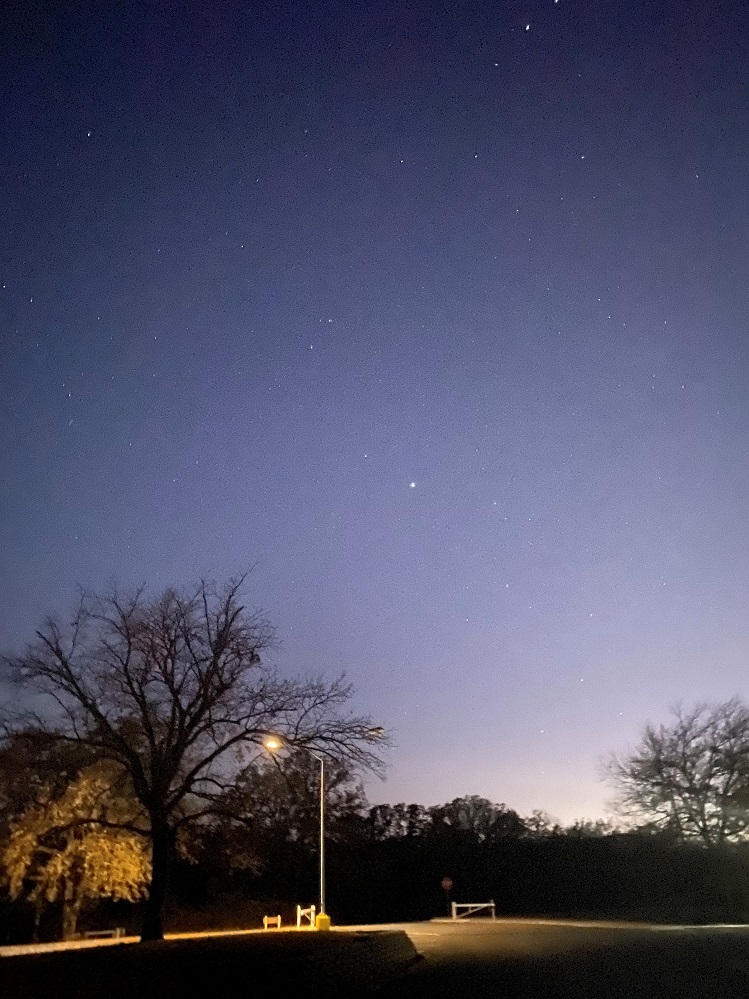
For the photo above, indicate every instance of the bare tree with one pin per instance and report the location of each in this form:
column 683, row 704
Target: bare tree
column 690, row 777
column 174, row 691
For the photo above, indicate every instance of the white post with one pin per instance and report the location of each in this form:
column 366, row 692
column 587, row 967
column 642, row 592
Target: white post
column 455, row 909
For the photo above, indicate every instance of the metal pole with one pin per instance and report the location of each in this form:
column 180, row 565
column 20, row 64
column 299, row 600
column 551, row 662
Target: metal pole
column 322, row 835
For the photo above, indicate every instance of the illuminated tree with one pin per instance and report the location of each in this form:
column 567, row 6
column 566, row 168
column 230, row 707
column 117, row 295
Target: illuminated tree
column 691, row 777
column 174, row 691
column 78, row 847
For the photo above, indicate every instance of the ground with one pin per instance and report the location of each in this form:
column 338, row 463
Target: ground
column 533, row 959
column 542, row 959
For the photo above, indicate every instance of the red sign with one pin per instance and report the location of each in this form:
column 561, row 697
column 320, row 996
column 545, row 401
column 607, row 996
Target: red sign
column 446, row 884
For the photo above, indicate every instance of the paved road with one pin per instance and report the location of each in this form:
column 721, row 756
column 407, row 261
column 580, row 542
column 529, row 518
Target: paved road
column 535, row 959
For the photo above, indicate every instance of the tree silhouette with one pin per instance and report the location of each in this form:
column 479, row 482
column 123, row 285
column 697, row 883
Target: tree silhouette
column 396, row 821
column 476, row 818
column 690, row 777
column 279, row 799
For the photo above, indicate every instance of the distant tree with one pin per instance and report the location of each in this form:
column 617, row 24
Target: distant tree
column 541, row 825
column 479, row 818
column 689, row 778
column 397, row 821
column 279, row 799
column 174, row 691
column 82, row 845
column 589, row 829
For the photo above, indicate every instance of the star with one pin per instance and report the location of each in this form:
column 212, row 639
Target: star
column 412, row 485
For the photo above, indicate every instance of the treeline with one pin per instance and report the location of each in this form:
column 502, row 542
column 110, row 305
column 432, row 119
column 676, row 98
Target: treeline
column 388, row 862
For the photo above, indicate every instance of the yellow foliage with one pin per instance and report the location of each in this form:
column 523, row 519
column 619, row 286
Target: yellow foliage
column 61, row 845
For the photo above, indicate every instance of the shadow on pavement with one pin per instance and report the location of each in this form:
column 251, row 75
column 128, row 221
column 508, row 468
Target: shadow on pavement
column 312, row 965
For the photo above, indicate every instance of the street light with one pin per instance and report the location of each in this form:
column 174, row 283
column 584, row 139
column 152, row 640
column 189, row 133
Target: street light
column 276, row 742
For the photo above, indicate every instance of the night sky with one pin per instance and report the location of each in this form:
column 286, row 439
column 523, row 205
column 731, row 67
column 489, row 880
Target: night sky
column 436, row 312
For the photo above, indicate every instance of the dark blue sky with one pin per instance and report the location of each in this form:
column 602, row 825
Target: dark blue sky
column 437, row 312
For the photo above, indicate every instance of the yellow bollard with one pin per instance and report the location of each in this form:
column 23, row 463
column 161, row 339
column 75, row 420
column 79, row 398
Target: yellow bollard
column 322, row 922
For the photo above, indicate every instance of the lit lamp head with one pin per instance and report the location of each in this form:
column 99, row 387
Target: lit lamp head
column 272, row 743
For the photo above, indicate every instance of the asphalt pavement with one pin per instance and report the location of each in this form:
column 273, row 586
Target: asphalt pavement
column 511, row 958
column 548, row 958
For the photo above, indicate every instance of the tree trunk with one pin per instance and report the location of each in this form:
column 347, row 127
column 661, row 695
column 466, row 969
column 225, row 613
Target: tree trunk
column 71, row 908
column 161, row 854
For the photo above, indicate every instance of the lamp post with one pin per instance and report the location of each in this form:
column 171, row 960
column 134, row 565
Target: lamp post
column 274, row 743
column 322, row 832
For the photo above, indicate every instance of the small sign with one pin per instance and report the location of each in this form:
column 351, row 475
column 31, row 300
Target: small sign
column 446, row 884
